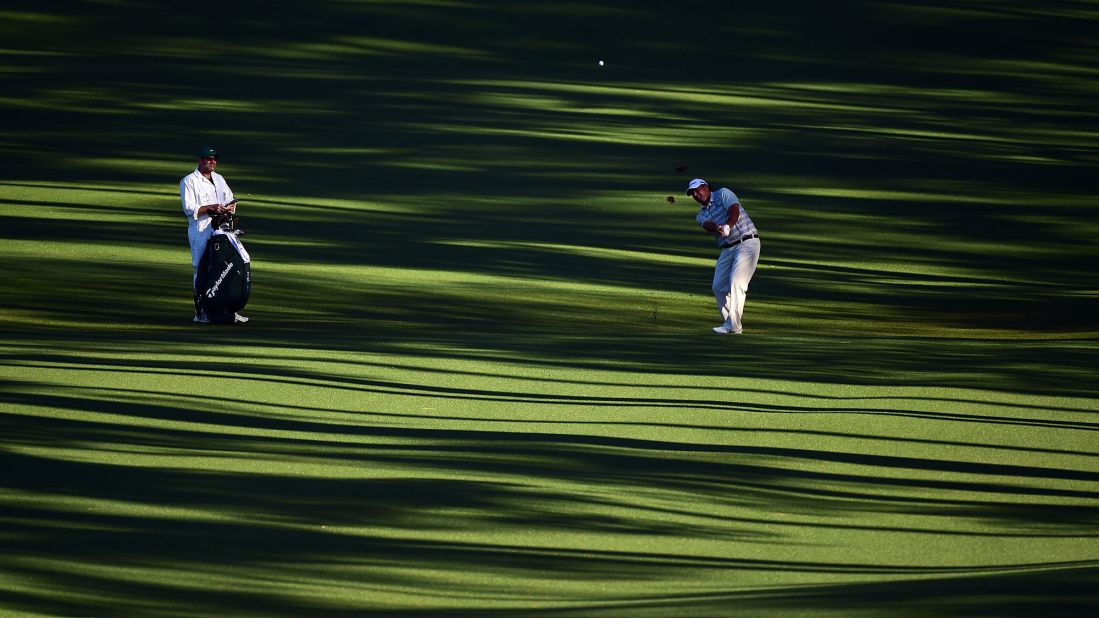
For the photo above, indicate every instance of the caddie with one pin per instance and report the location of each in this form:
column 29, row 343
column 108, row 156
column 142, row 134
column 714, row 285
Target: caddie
column 204, row 192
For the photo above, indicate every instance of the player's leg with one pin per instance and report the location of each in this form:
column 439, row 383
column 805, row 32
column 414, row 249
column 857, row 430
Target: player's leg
column 722, row 285
column 745, row 260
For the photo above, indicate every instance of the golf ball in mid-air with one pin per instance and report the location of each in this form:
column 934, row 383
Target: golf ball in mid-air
column 600, row 63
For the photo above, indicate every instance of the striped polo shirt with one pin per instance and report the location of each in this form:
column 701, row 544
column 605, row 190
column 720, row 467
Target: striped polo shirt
column 718, row 212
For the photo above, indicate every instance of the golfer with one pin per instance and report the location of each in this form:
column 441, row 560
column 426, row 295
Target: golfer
column 721, row 214
column 204, row 193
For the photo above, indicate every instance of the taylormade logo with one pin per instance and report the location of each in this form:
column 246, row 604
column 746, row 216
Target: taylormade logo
column 217, row 284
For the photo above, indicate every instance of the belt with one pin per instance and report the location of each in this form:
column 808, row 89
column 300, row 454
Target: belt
column 737, row 242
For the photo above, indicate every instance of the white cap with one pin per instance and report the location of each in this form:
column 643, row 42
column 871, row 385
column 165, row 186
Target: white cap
column 696, row 183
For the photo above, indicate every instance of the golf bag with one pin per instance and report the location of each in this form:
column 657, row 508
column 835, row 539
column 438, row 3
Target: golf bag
column 224, row 280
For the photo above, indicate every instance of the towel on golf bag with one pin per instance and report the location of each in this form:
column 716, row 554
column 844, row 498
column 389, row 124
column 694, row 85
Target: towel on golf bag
column 224, row 280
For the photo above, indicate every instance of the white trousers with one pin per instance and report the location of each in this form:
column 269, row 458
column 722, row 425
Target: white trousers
column 198, row 241
column 735, row 267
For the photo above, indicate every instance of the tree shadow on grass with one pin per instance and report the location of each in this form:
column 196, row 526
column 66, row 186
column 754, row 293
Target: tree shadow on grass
column 394, row 118
column 721, row 468
column 63, row 517
column 499, row 125
column 138, row 306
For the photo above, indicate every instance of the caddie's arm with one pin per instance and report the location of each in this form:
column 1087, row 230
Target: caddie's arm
column 190, row 199
column 213, row 209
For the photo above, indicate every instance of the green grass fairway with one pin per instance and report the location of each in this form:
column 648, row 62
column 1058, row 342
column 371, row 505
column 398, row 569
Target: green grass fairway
column 480, row 378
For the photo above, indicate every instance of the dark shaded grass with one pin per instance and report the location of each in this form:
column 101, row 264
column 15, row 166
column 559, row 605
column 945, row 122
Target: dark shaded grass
column 870, row 99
